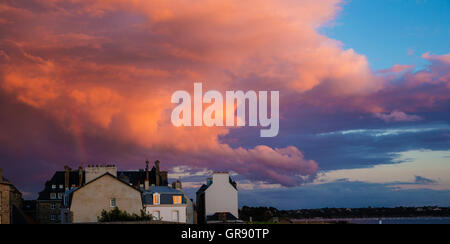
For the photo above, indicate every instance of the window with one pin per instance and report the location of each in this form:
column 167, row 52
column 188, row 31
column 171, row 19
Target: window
column 156, row 215
column 176, row 199
column 52, row 217
column 156, row 199
column 53, row 205
column 61, row 187
column 60, row 195
column 73, row 186
column 112, row 203
column 52, row 195
column 53, row 186
column 175, row 216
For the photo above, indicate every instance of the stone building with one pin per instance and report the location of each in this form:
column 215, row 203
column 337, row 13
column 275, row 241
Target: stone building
column 10, row 203
column 50, row 200
column 105, row 192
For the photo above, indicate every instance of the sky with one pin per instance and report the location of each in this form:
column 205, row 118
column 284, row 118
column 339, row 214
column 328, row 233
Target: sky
column 364, row 95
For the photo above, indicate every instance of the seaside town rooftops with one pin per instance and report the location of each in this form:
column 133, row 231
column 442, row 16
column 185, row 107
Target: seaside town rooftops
column 56, row 186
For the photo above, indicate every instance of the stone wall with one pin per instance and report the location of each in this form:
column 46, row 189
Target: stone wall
column 45, row 210
column 5, row 208
column 89, row 201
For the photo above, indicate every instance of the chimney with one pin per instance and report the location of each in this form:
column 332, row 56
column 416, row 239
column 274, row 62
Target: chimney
column 67, row 177
column 177, row 185
column 80, row 176
column 157, row 166
column 157, row 175
column 209, row 181
column 146, row 171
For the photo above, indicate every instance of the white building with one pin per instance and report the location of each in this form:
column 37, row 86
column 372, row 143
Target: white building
column 166, row 204
column 217, row 201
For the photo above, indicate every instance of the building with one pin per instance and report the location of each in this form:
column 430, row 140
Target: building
column 29, row 208
column 10, row 203
column 165, row 203
column 50, row 200
column 105, row 192
column 217, row 200
column 191, row 214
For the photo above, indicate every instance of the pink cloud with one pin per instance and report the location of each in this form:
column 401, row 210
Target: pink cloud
column 440, row 58
column 397, row 116
column 106, row 70
column 396, row 69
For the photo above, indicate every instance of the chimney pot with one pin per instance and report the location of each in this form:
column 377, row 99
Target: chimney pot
column 146, row 171
column 80, row 176
column 158, row 175
column 66, row 177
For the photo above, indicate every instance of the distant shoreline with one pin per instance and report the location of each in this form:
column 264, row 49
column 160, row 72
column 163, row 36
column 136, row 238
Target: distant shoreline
column 269, row 214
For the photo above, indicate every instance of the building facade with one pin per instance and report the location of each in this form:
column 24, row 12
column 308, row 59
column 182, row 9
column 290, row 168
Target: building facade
column 217, row 200
column 50, row 200
column 105, row 192
column 10, row 202
column 48, row 204
column 191, row 213
column 166, row 204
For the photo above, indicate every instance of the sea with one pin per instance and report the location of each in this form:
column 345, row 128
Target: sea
column 393, row 221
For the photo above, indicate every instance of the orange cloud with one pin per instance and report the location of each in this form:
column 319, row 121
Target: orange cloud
column 107, row 68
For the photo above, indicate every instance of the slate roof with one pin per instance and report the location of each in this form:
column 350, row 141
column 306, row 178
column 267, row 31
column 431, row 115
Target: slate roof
column 135, row 178
column 166, row 195
column 59, row 179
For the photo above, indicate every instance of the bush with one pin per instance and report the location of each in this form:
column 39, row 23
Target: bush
column 117, row 215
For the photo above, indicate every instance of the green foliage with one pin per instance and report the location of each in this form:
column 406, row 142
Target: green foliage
column 117, row 215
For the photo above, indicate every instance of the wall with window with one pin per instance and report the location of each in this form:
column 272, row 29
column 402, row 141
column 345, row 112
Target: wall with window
column 46, row 209
column 104, row 193
column 169, row 213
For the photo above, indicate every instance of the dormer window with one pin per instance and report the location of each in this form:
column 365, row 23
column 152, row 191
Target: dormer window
column 177, row 199
column 156, row 199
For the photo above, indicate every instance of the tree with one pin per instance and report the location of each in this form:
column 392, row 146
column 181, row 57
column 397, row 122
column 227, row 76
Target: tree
column 117, row 215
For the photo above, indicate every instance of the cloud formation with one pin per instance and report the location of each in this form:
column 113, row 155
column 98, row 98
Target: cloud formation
column 102, row 72
column 397, row 116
